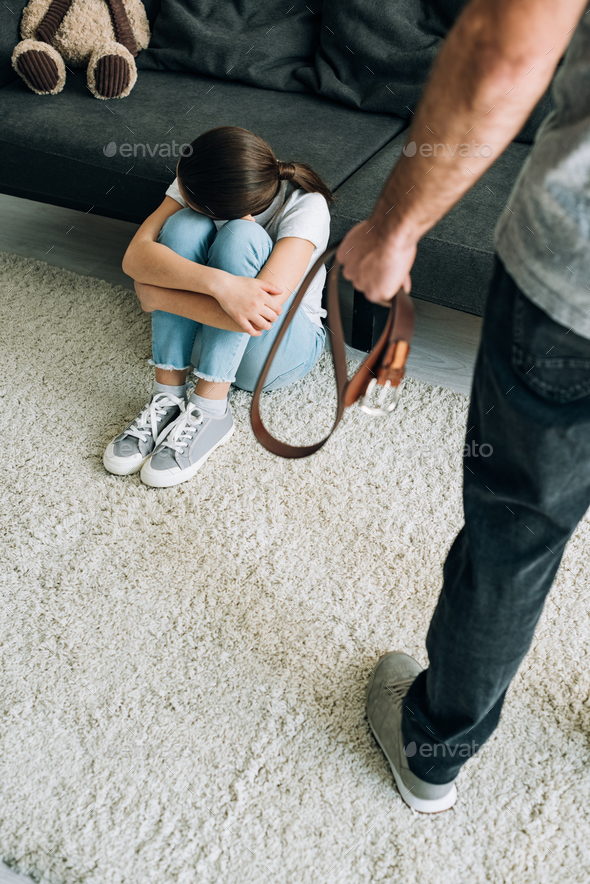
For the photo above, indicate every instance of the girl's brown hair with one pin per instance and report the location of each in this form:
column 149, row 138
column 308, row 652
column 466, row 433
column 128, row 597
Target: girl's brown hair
column 231, row 172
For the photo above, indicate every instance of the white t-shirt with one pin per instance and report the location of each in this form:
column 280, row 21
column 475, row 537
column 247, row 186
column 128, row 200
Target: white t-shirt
column 293, row 212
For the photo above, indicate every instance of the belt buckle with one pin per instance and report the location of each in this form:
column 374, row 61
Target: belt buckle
column 380, row 411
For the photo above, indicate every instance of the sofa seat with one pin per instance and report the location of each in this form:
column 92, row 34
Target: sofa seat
column 52, row 147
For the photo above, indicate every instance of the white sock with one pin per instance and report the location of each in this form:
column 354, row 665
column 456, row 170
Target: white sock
column 170, row 389
column 209, row 406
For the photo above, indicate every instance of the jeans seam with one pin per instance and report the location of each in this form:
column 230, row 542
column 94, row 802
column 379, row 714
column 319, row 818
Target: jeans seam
column 286, row 373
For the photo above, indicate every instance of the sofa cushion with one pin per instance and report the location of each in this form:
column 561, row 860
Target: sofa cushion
column 376, row 56
column 262, row 44
column 53, row 147
column 455, row 258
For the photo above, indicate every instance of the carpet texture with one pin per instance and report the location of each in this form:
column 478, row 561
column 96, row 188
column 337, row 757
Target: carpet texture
column 183, row 670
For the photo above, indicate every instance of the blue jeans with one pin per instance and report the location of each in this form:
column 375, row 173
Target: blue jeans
column 526, row 485
column 242, row 248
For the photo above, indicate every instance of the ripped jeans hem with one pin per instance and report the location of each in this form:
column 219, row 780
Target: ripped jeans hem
column 212, row 378
column 169, row 367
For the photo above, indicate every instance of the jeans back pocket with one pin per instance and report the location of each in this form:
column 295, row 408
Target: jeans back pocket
column 554, row 363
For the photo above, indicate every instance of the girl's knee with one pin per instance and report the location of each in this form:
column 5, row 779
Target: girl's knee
column 187, row 230
column 240, row 247
column 248, row 230
column 187, row 219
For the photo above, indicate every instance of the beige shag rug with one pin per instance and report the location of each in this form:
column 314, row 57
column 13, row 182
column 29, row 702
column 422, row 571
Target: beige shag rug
column 183, row 670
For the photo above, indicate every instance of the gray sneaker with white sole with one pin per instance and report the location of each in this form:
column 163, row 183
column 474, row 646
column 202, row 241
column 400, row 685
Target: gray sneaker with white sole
column 193, row 437
column 128, row 451
column 386, row 692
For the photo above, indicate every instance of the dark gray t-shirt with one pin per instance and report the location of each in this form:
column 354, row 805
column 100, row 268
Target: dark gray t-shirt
column 543, row 236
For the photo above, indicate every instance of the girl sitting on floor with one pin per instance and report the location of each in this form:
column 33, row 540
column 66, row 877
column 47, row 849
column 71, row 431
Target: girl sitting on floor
column 218, row 291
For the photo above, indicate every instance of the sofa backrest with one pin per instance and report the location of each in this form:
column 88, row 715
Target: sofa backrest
column 152, row 8
column 253, row 41
column 10, row 16
column 377, row 55
column 370, row 54
column 374, row 55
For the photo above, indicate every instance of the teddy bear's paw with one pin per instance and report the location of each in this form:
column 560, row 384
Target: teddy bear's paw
column 111, row 71
column 40, row 65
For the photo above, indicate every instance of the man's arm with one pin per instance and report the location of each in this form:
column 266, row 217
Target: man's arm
column 495, row 64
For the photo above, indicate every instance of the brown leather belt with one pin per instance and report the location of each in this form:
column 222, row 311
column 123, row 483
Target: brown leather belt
column 384, row 366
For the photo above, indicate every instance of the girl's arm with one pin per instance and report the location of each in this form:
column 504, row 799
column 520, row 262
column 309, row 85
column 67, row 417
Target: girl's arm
column 147, row 260
column 251, row 303
column 192, row 305
column 286, row 265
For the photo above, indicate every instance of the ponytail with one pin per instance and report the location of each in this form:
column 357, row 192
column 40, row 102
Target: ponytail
column 305, row 177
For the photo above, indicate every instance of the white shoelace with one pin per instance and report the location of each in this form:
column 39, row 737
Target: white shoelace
column 399, row 689
column 184, row 427
column 146, row 422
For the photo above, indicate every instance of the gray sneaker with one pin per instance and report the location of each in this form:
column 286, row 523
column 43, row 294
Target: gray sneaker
column 128, row 451
column 193, row 437
column 388, row 686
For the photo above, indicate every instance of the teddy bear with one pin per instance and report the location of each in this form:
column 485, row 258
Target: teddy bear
column 105, row 35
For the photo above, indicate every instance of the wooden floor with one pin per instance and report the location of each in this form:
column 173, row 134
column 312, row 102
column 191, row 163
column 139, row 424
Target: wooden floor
column 445, row 341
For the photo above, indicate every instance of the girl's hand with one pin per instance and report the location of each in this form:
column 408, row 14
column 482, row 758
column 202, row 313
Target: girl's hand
column 146, row 294
column 250, row 302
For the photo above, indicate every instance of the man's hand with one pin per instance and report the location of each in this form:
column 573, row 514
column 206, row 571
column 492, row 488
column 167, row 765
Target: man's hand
column 495, row 64
column 376, row 264
column 250, row 302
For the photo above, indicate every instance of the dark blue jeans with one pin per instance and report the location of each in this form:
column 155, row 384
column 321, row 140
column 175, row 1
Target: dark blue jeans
column 526, row 485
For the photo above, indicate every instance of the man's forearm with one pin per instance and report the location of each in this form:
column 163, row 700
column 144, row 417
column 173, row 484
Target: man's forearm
column 494, row 66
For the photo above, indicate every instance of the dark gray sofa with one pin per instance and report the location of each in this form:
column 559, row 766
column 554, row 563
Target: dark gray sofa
column 334, row 86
